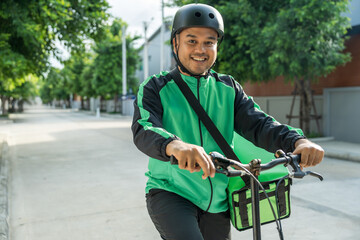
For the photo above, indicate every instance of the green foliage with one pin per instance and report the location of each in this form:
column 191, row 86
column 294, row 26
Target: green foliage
column 33, row 26
column 73, row 68
column 266, row 38
column 300, row 40
column 13, row 66
column 54, row 86
column 97, row 72
column 107, row 77
column 86, row 77
column 27, row 90
column 29, row 29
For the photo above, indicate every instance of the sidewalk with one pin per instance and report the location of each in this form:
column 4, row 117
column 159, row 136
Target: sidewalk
column 333, row 148
column 71, row 179
column 338, row 149
column 4, row 217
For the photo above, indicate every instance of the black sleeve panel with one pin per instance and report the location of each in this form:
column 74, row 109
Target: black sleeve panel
column 260, row 128
column 148, row 133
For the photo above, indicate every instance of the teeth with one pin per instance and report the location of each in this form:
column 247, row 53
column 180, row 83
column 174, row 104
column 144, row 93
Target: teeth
column 199, row 59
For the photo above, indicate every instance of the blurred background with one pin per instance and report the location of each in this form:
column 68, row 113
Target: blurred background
column 70, row 71
column 93, row 56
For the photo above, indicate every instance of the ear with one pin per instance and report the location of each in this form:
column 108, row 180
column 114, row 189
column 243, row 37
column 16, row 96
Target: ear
column 173, row 44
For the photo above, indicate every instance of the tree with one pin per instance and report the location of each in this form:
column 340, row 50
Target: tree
column 55, row 86
column 300, row 40
column 29, row 30
column 73, row 69
column 107, row 80
column 87, row 90
column 24, row 93
column 13, row 69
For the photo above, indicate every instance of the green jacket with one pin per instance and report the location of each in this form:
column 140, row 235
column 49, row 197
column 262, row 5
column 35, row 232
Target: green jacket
column 162, row 114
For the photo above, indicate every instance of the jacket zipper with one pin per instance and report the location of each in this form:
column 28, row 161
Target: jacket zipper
column 202, row 144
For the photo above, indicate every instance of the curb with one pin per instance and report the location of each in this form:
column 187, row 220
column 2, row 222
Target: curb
column 322, row 139
column 6, row 121
column 4, row 214
column 343, row 156
column 104, row 115
column 332, row 151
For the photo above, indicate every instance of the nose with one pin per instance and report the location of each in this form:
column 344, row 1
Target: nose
column 200, row 48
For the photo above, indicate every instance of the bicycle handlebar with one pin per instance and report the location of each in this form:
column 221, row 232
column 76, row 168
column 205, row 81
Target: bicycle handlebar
column 223, row 164
column 232, row 168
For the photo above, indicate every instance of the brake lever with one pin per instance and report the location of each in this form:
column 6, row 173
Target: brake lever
column 298, row 173
column 220, row 160
column 315, row 174
column 223, row 165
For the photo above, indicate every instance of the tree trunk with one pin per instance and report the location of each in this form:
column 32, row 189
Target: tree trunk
column 305, row 92
column 82, row 103
column 100, row 103
column 12, row 102
column 115, row 102
column 3, row 102
column 21, row 105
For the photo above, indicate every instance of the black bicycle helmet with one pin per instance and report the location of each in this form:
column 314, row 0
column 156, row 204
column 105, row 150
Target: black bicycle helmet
column 196, row 15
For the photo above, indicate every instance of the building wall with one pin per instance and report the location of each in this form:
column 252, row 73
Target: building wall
column 344, row 76
column 154, row 55
column 279, row 107
column 342, row 113
column 337, row 98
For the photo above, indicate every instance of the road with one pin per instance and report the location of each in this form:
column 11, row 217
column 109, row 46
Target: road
column 75, row 176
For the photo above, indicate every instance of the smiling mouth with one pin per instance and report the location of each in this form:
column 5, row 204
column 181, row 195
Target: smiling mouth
column 199, row 59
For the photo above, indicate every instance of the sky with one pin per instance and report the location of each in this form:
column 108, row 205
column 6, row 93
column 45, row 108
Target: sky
column 134, row 13
column 354, row 12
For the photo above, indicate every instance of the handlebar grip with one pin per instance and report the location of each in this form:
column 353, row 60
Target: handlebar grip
column 236, row 173
column 220, row 159
column 295, row 163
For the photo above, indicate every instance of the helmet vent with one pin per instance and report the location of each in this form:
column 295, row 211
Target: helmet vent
column 211, row 15
column 198, row 14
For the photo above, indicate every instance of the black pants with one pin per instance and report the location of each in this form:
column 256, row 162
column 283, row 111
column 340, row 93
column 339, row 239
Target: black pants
column 176, row 218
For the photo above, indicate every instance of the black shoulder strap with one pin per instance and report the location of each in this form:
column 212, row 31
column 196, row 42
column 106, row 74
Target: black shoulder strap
column 204, row 117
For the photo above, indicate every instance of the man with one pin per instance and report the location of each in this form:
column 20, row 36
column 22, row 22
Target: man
column 189, row 201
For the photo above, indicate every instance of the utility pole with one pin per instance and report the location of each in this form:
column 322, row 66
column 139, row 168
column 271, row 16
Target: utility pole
column 162, row 37
column 124, row 92
column 146, row 58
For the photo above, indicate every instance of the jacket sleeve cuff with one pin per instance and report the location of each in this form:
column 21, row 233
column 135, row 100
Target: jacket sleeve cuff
column 164, row 145
column 293, row 141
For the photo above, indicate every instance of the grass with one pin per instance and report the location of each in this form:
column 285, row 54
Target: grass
column 314, row 135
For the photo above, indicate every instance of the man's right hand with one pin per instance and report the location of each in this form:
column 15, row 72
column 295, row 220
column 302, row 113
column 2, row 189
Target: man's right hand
column 191, row 157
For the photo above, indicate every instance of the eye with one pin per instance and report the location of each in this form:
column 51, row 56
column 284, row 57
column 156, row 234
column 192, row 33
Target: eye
column 192, row 41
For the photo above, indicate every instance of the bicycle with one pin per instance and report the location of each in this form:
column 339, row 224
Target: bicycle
column 253, row 168
column 232, row 168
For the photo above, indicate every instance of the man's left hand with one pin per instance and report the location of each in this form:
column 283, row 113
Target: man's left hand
column 311, row 153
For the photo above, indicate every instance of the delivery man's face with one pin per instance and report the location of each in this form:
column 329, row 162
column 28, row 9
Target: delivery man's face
column 197, row 49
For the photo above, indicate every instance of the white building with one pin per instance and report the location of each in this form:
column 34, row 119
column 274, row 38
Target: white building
column 154, row 54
